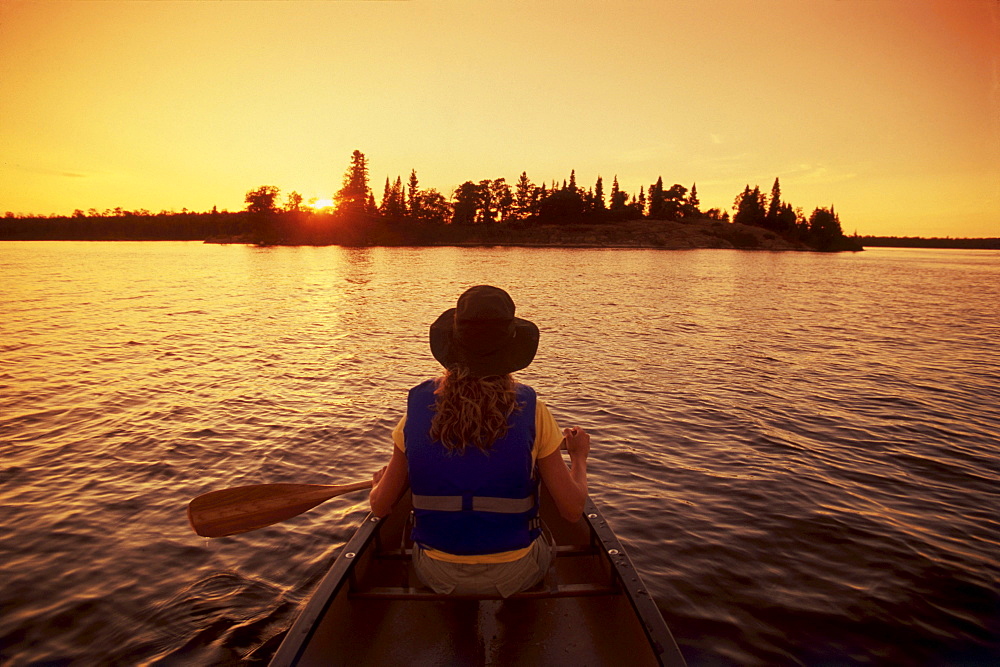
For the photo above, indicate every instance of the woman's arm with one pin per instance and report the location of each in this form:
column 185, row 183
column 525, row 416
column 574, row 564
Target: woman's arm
column 389, row 484
column 568, row 486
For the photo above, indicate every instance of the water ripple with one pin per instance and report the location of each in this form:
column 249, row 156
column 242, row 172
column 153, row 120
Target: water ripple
column 799, row 450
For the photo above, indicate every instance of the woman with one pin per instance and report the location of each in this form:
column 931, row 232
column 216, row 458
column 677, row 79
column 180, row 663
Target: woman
column 469, row 447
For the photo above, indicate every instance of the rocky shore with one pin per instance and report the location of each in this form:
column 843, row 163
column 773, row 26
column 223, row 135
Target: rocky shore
column 660, row 234
column 655, row 234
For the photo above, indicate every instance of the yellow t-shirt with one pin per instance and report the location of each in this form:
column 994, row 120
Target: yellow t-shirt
column 548, row 436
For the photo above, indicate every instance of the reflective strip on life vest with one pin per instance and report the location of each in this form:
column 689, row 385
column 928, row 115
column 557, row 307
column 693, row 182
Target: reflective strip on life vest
column 479, row 504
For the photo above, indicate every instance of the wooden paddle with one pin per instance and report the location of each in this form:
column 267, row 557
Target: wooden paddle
column 244, row 508
column 241, row 509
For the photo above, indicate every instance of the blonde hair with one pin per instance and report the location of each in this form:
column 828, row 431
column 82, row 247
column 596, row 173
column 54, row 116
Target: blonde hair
column 472, row 410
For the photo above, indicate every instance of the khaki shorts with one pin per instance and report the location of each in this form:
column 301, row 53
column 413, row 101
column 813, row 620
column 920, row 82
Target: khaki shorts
column 503, row 579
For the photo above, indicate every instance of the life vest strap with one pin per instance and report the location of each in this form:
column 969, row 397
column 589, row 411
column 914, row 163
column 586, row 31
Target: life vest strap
column 478, row 504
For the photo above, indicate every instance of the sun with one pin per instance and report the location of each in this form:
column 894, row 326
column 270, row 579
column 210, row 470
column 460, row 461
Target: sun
column 323, row 203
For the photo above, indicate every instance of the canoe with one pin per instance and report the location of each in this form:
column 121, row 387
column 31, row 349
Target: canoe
column 371, row 609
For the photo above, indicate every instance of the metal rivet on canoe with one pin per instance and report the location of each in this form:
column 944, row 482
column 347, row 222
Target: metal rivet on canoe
column 591, row 516
column 349, row 554
column 374, row 519
column 613, row 552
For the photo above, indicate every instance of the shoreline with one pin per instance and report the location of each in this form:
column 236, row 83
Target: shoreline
column 644, row 233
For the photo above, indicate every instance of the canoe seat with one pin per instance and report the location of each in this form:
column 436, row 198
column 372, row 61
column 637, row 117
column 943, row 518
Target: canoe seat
column 426, row 594
column 545, row 589
column 561, row 551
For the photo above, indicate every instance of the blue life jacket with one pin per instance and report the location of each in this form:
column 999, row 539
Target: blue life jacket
column 472, row 502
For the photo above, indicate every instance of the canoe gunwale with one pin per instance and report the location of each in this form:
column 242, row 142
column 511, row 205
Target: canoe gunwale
column 338, row 576
column 659, row 635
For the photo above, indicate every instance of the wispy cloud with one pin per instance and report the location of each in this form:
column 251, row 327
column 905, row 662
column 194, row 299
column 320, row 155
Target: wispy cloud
column 45, row 171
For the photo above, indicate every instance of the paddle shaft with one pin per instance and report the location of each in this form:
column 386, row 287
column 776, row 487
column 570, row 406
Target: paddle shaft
column 245, row 508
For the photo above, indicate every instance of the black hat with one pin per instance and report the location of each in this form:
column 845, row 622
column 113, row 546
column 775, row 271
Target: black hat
column 482, row 334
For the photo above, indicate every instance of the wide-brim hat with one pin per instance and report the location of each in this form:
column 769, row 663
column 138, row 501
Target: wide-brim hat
column 482, row 334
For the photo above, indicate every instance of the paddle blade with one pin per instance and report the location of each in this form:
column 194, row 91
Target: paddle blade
column 245, row 508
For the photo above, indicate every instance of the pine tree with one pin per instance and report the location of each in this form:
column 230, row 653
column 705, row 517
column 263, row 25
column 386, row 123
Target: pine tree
column 694, row 203
column 657, row 208
column 386, row 198
column 398, row 198
column 773, row 206
column 393, row 201
column 749, row 206
column 618, row 198
column 824, row 228
column 599, row 194
column 413, row 205
column 523, row 195
column 354, row 197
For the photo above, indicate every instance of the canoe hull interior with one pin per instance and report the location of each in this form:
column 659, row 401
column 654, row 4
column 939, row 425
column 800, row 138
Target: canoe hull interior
column 371, row 609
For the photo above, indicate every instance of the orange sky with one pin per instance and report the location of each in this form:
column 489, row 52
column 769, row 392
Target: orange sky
column 887, row 109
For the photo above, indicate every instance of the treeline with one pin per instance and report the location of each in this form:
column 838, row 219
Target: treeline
column 409, row 214
column 934, row 242
column 122, row 225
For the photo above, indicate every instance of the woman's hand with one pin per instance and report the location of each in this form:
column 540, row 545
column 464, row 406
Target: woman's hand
column 577, row 443
column 568, row 486
column 379, row 474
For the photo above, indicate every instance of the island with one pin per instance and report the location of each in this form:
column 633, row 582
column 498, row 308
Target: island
column 484, row 212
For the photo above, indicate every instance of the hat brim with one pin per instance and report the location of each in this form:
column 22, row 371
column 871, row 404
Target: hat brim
column 517, row 354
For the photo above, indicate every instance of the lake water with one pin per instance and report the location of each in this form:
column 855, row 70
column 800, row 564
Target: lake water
column 799, row 450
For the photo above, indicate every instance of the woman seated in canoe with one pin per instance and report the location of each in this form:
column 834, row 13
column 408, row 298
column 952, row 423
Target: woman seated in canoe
column 469, row 445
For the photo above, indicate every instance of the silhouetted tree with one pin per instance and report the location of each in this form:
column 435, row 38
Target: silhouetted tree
column 786, row 220
column 634, row 208
column 524, row 197
column 485, row 211
column 674, row 201
column 599, row 195
column 355, row 196
column 657, row 201
column 413, row 196
column 562, row 206
column 465, row 204
column 386, row 197
column 692, row 207
column 773, row 205
column 261, row 200
column 749, row 207
column 393, row 200
column 293, row 203
column 502, row 198
column 432, row 207
column 618, row 206
column 824, row 229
